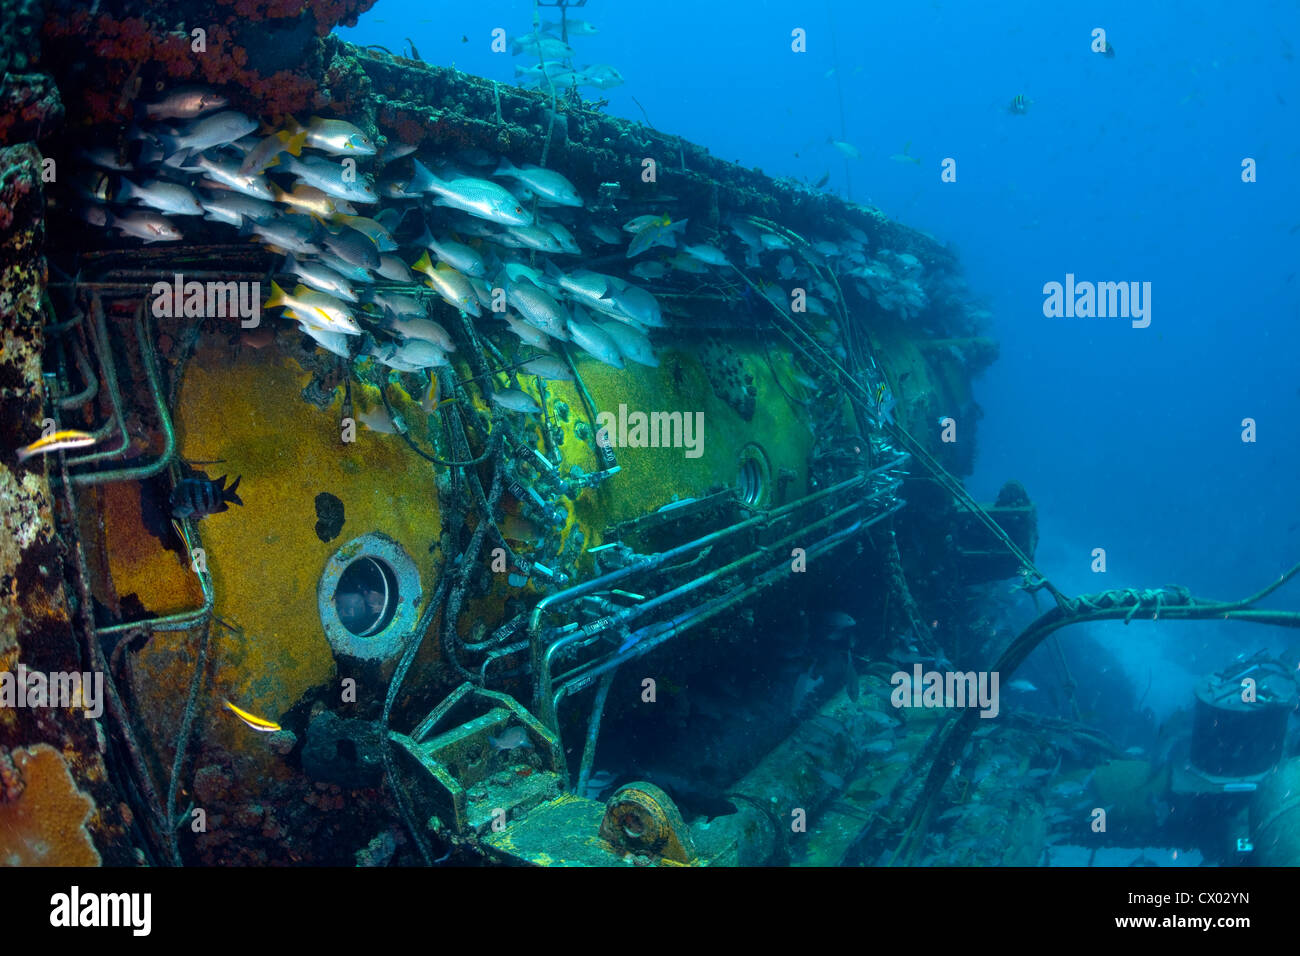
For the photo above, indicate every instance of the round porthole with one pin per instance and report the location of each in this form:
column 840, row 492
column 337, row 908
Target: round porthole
column 753, row 480
column 368, row 597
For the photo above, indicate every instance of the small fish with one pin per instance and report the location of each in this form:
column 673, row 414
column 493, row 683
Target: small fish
column 804, row 686
column 660, row 231
column 454, row 288
column 879, row 747
column 602, row 76
column 256, row 723
column 311, row 201
column 320, row 278
column 848, row 149
column 186, row 102
column 148, row 226
column 851, row 685
column 314, row 308
column 710, row 255
column 165, row 197
column 331, row 177
column 548, row 367
column 219, row 129
column 338, row 137
column 825, row 178
column 478, row 197
column 549, row 185
column 267, row 152
column 1109, row 52
column 596, row 342
column 516, row 400
column 57, row 441
column 199, row 497
column 905, row 156
column 1019, row 104
column 1022, row 685
column 512, row 739
column 837, row 620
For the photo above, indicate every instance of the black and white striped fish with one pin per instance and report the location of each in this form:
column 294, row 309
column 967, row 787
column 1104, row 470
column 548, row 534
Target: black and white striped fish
column 199, row 497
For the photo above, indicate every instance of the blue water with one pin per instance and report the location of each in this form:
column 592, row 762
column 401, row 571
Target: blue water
column 1122, row 169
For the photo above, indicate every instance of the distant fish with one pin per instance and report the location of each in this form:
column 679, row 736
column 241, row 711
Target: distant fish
column 58, row 441
column 710, row 255
column 825, row 178
column 1109, row 52
column 1022, row 685
column 905, row 156
column 516, row 400
column 512, row 739
column 804, row 687
column 1019, row 104
column 199, row 497
column 848, row 149
column 259, row 724
column 880, row 746
column 837, row 620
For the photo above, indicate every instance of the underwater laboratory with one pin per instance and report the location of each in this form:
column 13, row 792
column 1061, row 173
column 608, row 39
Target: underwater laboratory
column 404, row 468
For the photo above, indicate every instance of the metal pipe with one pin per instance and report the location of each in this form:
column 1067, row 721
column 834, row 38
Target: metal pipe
column 633, row 612
column 593, row 731
column 541, row 657
column 659, row 560
column 183, row 620
column 87, row 376
column 151, row 372
column 653, row 635
column 104, row 352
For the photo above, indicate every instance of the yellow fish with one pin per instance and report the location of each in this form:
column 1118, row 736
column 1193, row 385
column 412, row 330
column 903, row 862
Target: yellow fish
column 257, row 723
column 58, row 441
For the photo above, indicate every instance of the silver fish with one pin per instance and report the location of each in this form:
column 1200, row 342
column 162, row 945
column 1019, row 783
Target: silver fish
column 215, row 130
column 526, row 332
column 631, row 344
column 338, row 137
column 424, row 329
column 595, row 341
column 478, row 197
column 233, row 208
column 515, row 400
column 391, row 267
column 148, row 226
column 163, row 196
column 548, row 367
column 332, row 178
column 538, row 309
column 320, row 278
column 229, row 176
column 457, row 255
column 711, row 255
column 546, row 183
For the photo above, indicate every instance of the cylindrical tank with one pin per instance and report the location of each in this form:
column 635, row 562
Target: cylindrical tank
column 1240, row 728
